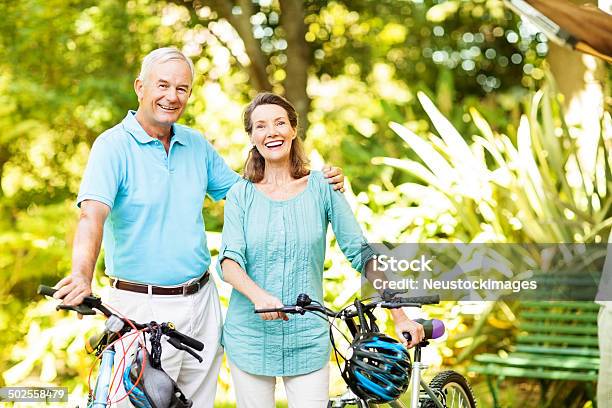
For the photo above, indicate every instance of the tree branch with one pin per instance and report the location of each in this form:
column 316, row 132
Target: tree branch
column 242, row 24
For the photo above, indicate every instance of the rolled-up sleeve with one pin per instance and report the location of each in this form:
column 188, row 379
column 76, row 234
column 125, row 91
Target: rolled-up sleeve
column 102, row 175
column 347, row 231
column 233, row 243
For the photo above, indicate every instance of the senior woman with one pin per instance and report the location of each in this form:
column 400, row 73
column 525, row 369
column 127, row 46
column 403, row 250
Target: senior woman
column 273, row 248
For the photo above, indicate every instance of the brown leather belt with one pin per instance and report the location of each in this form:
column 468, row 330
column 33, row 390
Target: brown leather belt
column 162, row 290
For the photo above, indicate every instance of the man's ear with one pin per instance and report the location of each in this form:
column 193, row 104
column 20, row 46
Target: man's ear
column 138, row 85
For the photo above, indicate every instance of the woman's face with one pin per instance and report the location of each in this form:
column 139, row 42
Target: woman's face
column 272, row 134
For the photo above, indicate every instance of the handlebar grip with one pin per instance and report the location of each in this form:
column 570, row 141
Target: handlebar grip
column 46, row 290
column 267, row 310
column 433, row 328
column 186, row 340
column 423, row 300
column 284, row 309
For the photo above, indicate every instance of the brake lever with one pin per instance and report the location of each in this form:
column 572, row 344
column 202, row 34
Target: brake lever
column 82, row 309
column 178, row 345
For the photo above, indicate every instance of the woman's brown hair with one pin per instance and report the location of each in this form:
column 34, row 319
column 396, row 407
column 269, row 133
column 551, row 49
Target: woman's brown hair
column 255, row 165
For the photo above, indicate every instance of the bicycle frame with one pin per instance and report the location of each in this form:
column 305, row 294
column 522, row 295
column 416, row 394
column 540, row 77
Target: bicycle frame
column 102, row 388
column 416, row 385
column 116, row 325
column 416, row 382
column 367, row 324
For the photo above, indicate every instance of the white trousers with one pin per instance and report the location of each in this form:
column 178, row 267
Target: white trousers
column 198, row 316
column 303, row 391
column 604, row 385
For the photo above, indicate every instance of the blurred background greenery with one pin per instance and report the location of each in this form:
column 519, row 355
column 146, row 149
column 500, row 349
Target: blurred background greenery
column 446, row 117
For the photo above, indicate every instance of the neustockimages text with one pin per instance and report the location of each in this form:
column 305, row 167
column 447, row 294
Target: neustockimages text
column 459, row 284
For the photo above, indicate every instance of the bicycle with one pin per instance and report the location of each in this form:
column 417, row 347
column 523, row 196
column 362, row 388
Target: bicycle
column 103, row 347
column 447, row 389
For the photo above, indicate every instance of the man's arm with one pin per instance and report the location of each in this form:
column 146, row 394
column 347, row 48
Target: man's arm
column 86, row 248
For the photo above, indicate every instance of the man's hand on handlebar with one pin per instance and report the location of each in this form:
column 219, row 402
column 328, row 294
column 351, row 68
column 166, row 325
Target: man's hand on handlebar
column 73, row 289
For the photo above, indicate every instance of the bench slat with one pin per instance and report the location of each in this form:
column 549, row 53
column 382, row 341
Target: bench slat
column 589, row 306
column 560, row 351
column 541, row 317
column 550, row 339
column 558, row 328
column 494, row 369
column 530, row 360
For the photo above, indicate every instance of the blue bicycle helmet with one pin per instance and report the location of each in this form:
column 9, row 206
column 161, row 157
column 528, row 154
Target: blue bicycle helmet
column 378, row 369
column 155, row 389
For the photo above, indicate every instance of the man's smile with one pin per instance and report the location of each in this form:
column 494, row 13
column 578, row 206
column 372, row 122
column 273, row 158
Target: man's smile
column 168, row 108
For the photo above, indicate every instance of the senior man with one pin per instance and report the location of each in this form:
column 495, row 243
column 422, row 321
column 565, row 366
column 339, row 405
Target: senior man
column 142, row 194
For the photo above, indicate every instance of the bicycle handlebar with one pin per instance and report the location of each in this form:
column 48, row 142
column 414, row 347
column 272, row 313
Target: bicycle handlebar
column 92, row 303
column 394, row 303
column 433, row 328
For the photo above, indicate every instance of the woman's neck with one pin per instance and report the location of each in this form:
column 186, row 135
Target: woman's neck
column 277, row 173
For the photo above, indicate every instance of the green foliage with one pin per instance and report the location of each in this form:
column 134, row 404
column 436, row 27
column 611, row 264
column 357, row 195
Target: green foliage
column 533, row 186
column 66, row 73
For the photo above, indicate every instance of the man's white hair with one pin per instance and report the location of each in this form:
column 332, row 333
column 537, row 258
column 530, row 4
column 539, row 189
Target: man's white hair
column 161, row 55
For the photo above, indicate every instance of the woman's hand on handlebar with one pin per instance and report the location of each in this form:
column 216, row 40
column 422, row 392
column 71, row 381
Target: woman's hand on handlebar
column 403, row 324
column 267, row 301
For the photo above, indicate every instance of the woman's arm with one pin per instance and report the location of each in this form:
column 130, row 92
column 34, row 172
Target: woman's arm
column 238, row 278
column 402, row 322
column 354, row 246
column 232, row 256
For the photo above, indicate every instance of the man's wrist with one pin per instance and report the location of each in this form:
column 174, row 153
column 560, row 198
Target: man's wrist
column 81, row 275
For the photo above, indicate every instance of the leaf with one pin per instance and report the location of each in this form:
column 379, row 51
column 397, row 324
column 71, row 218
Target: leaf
column 432, row 159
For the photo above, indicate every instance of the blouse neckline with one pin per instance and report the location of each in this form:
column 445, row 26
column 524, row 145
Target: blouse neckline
column 295, row 197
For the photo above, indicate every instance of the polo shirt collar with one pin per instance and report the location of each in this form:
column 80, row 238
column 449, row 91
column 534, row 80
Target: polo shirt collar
column 131, row 125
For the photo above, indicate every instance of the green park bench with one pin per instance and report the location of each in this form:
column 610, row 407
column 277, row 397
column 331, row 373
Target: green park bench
column 557, row 341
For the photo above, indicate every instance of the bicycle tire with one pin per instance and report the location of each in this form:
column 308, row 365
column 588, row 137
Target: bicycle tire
column 450, row 384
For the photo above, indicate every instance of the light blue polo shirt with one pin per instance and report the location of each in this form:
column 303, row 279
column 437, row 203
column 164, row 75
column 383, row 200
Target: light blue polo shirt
column 155, row 231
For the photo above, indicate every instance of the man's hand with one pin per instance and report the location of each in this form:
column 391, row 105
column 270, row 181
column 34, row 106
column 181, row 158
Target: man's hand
column 334, row 176
column 73, row 289
column 404, row 324
column 267, row 301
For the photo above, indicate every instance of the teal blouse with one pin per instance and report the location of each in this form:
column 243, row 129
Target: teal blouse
column 281, row 246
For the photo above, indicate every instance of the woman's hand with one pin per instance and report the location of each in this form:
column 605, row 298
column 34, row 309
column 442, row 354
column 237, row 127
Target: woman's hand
column 404, row 324
column 266, row 301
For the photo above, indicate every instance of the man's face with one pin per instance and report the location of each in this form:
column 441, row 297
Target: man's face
column 163, row 95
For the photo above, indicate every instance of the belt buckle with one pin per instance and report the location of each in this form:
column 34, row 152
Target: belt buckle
column 185, row 288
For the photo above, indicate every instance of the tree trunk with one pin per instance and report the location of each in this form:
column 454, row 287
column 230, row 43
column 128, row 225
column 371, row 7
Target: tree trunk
column 298, row 60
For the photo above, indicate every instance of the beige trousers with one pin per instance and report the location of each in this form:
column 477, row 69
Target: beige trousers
column 604, row 385
column 198, row 316
column 303, row 391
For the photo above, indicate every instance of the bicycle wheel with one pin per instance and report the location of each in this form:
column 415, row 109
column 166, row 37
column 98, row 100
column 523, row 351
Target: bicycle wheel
column 453, row 391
